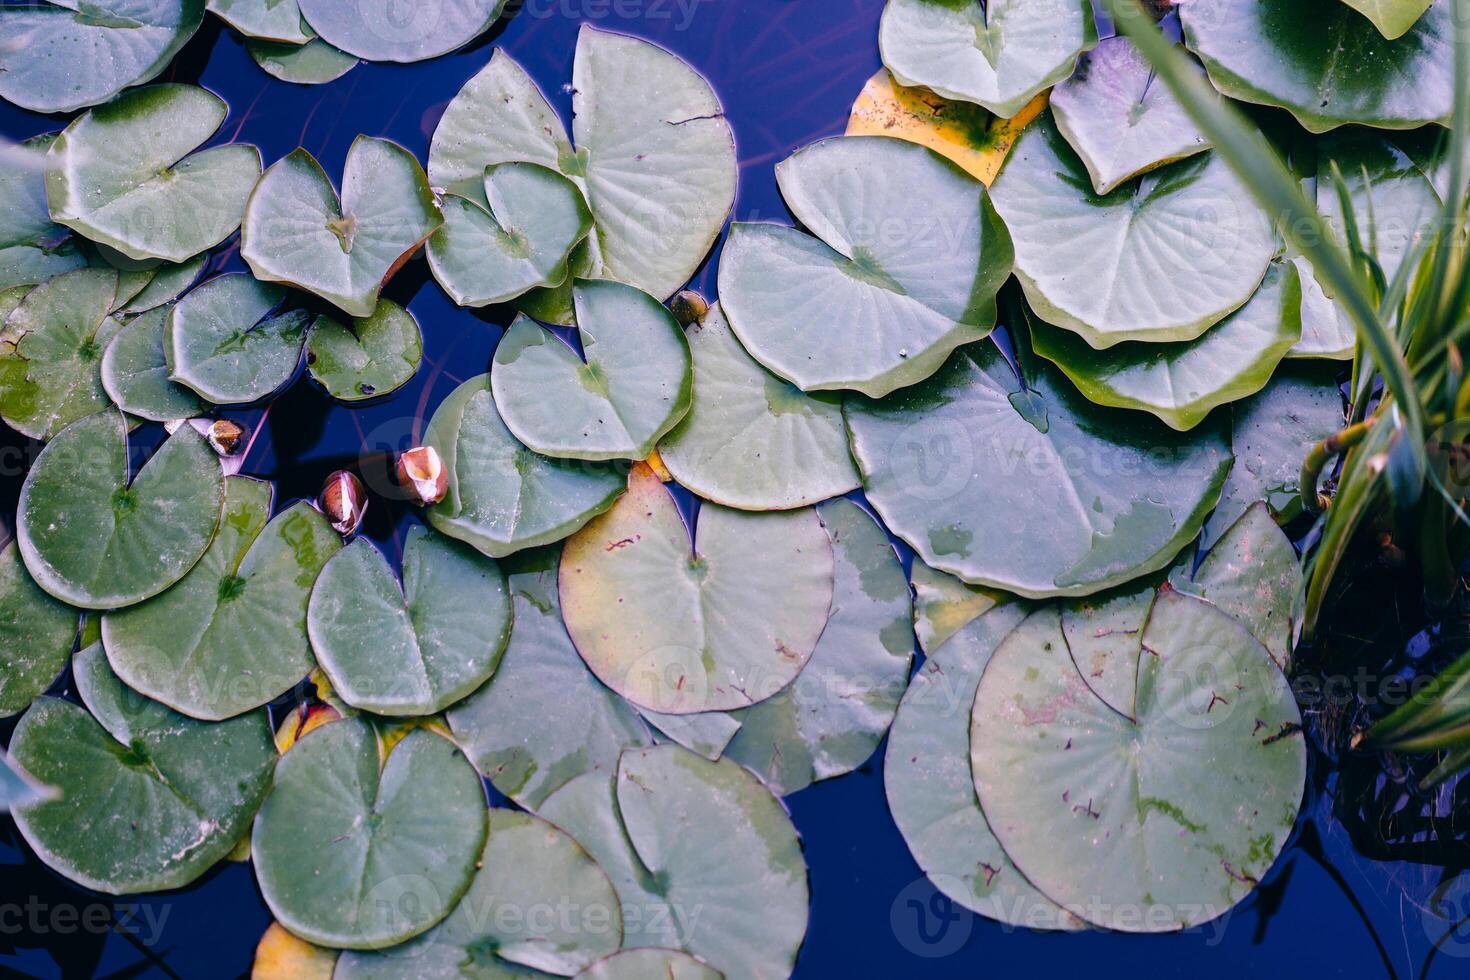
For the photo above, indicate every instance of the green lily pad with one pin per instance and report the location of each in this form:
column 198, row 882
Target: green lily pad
column 230, row 343
column 1184, row 841
column 148, row 800
column 126, row 175
column 1393, row 18
column 999, row 53
column 1120, row 119
column 135, row 371
column 537, row 903
column 1324, row 62
column 168, row 282
column 61, row 56
column 1328, row 332
column 314, row 63
column 907, row 257
column 270, row 20
column 707, row 732
column 377, row 355
column 1394, row 203
column 346, row 852
column 19, row 788
column 1183, row 382
column 33, row 248
column 636, row 964
column 632, row 388
column 231, row 636
column 378, row 32
column 36, row 635
column 542, row 719
column 712, row 626
column 91, row 538
column 970, row 465
column 944, row 605
column 298, row 231
column 1163, row 257
column 1104, row 634
column 503, row 497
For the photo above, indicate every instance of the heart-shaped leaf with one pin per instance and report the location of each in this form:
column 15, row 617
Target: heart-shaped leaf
column 944, row 605
column 91, row 538
column 636, row 964
column 1392, row 17
column 33, row 248
column 231, row 635
column 377, row 355
column 230, row 341
column 36, row 635
column 1163, row 257
column 679, row 628
column 269, row 20
column 135, row 371
column 314, row 63
column 298, row 231
column 999, row 53
column 148, row 800
column 377, row 32
column 632, row 387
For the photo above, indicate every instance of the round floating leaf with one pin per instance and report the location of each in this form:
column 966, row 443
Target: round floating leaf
column 632, row 388
column 943, row 605
column 904, row 267
column 1163, row 257
column 378, row 355
column 148, row 799
column 376, row 30
column 91, row 539
column 231, row 635
column 542, row 719
column 1104, row 633
column 168, row 283
column 1182, row 382
column 752, row 440
column 537, row 903
column 33, row 248
column 1121, row 820
column 230, row 342
column 314, row 63
column 1119, row 118
column 503, row 497
column 61, row 56
column 636, row 964
column 680, row 629
column 298, row 231
column 352, row 856
column 125, row 174
column 36, row 635
column 999, row 53
column 270, row 20
column 1392, row 17
column 1324, row 62
column 135, row 372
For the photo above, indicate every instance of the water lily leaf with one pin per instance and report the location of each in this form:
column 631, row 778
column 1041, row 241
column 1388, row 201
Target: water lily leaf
column 230, row 342
column 503, row 497
column 509, row 923
column 752, row 440
column 1104, row 634
column 1392, row 17
column 270, row 20
column 1183, row 382
column 378, row 355
column 676, row 628
column 36, row 635
column 379, row 32
column 51, row 348
column 33, row 248
column 999, row 53
column 1327, row 329
column 61, row 56
column 1324, row 62
column 513, row 233
column 148, row 799
column 542, row 719
column 298, row 231
column 281, row 956
column 170, row 281
column 231, row 635
column 1394, row 202
column 967, row 466
column 677, row 833
column 92, row 539
column 635, row 964
column 1186, row 842
column 347, row 854
column 944, row 605
column 135, row 371
column 707, row 732
column 1163, row 257
column 19, row 788
column 125, row 174
column 1121, row 120
column 633, row 387
column 314, row 63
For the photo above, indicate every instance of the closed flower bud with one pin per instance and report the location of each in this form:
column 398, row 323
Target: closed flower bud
column 344, row 500
column 421, row 472
column 225, row 436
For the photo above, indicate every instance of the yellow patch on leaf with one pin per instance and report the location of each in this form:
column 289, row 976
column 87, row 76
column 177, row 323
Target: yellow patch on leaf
column 656, row 463
column 301, row 720
column 281, row 956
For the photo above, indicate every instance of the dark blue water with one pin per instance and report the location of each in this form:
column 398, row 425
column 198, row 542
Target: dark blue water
column 787, row 71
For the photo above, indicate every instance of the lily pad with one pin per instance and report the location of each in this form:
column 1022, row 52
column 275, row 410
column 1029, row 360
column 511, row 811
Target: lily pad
column 944, row 605
column 148, row 800
column 708, row 732
column 281, row 956
column 346, row 852
column 33, row 248
column 126, row 175
column 1163, row 257
column 1392, row 17
column 1033, row 489
column 542, row 719
column 1120, row 119
column 167, row 283
column 999, row 53
column 378, row 31
column 377, row 355
column 231, row 343
column 270, row 20
column 1328, row 332
column 36, row 635
column 718, row 625
column 1183, row 382
column 135, row 371
column 231, row 635
column 91, row 538
column 314, row 63
column 633, row 386
column 298, row 231
column 1185, row 842
column 636, row 964
column 61, row 56
column 907, row 257
column 1104, row 634
column 1324, row 62
column 1394, row 203
column 502, row 496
